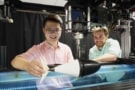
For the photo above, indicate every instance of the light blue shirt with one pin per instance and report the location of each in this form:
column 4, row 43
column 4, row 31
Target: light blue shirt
column 111, row 46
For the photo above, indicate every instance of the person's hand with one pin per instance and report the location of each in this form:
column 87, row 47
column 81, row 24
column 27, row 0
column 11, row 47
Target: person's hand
column 35, row 68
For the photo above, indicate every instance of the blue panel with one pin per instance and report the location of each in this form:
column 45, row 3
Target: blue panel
column 108, row 74
column 77, row 15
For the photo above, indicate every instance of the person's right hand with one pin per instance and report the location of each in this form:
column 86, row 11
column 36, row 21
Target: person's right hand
column 35, row 68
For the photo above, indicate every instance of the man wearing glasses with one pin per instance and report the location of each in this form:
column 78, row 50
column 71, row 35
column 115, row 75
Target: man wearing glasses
column 105, row 49
column 51, row 51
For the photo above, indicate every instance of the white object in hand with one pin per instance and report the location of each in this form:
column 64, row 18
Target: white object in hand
column 45, row 67
column 71, row 68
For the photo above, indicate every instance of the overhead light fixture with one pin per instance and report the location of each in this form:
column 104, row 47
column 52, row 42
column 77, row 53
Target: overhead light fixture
column 1, row 2
column 60, row 3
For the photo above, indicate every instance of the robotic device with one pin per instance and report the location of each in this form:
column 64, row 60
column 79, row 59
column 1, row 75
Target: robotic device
column 85, row 67
column 77, row 68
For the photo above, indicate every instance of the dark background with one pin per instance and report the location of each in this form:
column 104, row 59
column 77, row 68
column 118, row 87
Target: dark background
column 27, row 30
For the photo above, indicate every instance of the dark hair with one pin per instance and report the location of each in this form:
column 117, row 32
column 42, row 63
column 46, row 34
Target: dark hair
column 53, row 18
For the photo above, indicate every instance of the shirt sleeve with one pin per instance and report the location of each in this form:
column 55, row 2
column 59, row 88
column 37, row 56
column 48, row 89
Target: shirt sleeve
column 30, row 54
column 91, row 54
column 114, row 48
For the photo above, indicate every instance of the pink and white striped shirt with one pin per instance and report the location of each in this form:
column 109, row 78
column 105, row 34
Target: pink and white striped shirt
column 62, row 54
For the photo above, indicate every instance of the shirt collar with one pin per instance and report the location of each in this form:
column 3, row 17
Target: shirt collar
column 49, row 46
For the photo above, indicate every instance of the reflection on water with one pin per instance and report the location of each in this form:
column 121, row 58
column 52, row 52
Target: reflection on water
column 55, row 83
column 20, row 80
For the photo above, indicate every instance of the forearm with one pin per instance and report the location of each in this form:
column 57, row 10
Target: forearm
column 20, row 63
column 106, row 58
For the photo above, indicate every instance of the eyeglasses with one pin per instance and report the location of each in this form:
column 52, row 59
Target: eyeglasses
column 50, row 30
